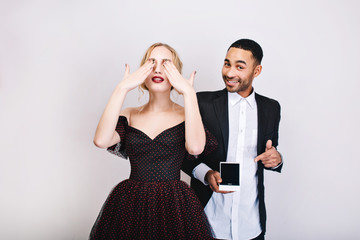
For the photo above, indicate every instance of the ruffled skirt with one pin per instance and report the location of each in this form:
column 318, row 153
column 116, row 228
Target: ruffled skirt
column 151, row 210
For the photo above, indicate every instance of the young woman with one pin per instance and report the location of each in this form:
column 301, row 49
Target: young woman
column 156, row 137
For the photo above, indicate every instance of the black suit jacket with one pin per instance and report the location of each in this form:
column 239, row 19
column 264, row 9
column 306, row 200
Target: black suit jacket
column 214, row 112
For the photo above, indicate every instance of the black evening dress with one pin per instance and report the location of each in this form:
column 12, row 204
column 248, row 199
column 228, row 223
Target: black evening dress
column 153, row 203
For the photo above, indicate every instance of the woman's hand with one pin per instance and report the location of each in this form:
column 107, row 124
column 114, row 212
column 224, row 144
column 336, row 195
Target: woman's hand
column 181, row 84
column 131, row 81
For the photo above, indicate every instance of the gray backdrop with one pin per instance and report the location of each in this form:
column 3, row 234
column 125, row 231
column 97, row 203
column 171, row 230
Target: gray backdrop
column 60, row 61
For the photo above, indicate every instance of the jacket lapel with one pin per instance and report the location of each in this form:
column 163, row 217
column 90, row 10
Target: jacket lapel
column 221, row 110
column 261, row 123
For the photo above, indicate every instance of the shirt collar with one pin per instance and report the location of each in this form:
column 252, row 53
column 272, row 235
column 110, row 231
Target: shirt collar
column 235, row 98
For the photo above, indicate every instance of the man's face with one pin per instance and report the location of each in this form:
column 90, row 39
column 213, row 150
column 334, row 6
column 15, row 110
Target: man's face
column 239, row 70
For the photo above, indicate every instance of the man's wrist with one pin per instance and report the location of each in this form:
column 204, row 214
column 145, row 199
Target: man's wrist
column 281, row 161
column 200, row 172
column 207, row 176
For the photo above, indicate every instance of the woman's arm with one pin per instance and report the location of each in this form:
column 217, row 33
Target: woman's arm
column 105, row 135
column 194, row 129
column 195, row 137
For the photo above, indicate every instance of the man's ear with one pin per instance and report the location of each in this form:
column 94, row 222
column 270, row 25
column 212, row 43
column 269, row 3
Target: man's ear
column 257, row 70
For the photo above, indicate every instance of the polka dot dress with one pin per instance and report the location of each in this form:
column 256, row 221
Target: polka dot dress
column 153, row 203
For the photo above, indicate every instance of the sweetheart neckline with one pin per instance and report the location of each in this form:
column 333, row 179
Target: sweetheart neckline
column 152, row 139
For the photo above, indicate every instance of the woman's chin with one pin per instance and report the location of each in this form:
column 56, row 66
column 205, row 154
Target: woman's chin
column 159, row 88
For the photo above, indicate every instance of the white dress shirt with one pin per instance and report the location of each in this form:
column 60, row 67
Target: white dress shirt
column 236, row 215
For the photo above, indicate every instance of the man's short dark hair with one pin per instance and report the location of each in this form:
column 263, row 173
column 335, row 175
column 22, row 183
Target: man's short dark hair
column 249, row 45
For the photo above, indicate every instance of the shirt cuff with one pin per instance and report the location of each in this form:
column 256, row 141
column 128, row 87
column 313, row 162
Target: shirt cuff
column 200, row 171
column 279, row 163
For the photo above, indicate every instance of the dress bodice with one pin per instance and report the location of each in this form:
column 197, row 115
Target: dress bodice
column 155, row 159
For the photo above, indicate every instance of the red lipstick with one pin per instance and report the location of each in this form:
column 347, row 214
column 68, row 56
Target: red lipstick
column 157, row 79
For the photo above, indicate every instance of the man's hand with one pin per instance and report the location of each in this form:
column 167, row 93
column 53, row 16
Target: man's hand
column 271, row 157
column 214, row 179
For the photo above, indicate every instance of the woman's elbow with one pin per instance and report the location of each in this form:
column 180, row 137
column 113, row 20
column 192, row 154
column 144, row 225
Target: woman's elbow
column 99, row 143
column 195, row 150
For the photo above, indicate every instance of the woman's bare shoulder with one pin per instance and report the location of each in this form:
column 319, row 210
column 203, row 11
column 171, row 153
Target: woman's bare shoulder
column 130, row 111
column 127, row 112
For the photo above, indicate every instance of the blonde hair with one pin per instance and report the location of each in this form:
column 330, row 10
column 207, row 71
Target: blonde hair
column 175, row 58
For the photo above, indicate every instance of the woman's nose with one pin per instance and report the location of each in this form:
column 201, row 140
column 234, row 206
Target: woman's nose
column 158, row 68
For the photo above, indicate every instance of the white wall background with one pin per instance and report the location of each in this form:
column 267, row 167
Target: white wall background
column 60, row 60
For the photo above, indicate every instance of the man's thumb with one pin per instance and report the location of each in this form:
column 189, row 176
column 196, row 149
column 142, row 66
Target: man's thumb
column 268, row 145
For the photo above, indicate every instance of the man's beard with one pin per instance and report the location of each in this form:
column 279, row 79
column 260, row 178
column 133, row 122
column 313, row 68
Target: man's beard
column 241, row 87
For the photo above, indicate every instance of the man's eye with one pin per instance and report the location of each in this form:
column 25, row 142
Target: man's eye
column 226, row 64
column 240, row 67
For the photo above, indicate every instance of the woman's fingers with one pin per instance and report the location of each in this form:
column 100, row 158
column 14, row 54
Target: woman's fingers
column 169, row 65
column 176, row 79
column 192, row 77
column 132, row 80
column 143, row 71
column 127, row 70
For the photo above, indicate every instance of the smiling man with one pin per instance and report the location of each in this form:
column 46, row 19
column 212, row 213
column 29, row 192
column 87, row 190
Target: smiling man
column 245, row 125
